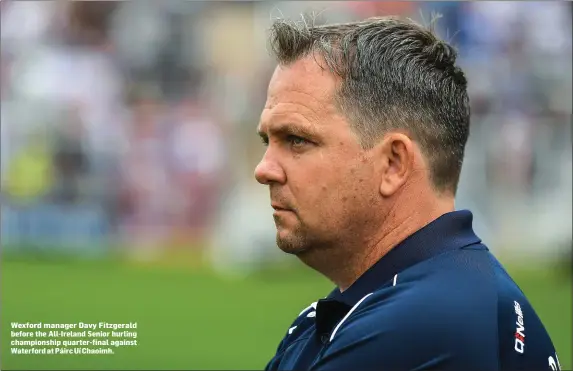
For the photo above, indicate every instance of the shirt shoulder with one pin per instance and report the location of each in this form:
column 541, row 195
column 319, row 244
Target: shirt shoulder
column 524, row 343
column 442, row 313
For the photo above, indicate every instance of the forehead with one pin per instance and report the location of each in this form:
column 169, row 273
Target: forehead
column 305, row 77
column 302, row 87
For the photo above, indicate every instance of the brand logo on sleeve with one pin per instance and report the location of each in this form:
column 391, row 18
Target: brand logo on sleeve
column 520, row 329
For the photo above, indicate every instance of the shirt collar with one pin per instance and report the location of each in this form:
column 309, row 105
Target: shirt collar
column 449, row 232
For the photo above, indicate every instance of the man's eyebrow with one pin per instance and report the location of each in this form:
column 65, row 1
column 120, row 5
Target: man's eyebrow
column 287, row 129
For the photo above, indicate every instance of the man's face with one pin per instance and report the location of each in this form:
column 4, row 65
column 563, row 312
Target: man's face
column 322, row 183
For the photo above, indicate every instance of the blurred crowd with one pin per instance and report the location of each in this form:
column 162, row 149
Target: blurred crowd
column 132, row 124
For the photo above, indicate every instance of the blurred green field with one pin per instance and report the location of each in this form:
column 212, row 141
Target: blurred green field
column 191, row 318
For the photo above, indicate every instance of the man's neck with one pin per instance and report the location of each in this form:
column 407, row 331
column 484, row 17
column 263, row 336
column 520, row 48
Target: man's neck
column 345, row 266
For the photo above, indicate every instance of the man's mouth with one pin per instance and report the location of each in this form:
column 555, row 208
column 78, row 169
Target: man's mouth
column 280, row 208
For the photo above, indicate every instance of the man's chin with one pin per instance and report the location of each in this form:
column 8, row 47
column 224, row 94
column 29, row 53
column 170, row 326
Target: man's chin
column 291, row 244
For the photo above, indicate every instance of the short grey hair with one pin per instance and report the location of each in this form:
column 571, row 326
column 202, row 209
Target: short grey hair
column 395, row 74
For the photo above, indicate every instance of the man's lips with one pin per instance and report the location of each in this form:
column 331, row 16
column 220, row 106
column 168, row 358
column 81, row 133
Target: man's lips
column 280, row 208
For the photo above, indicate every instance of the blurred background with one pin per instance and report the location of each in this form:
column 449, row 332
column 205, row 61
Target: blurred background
column 128, row 147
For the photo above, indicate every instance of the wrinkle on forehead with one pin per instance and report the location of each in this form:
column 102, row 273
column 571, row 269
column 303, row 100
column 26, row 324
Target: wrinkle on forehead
column 299, row 112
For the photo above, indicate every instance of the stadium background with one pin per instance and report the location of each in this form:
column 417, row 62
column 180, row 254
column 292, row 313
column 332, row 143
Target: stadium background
column 128, row 147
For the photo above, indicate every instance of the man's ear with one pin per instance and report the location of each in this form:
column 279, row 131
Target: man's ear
column 396, row 155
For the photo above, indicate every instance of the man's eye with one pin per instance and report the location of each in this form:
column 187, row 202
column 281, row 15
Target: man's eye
column 296, row 141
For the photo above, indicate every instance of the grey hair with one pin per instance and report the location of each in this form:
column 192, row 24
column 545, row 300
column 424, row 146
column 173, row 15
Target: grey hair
column 395, row 74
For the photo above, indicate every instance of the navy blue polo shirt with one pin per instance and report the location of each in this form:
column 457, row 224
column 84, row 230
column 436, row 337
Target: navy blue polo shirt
column 438, row 300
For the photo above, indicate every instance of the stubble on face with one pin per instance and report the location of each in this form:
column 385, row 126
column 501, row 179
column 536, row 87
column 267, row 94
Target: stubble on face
column 293, row 236
column 292, row 241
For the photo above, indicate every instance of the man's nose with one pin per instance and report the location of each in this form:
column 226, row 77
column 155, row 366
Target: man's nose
column 269, row 171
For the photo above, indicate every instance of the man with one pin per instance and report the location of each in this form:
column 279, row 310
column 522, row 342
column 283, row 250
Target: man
column 365, row 126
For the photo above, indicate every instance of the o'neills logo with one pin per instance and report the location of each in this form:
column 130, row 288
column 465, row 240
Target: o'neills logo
column 519, row 332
